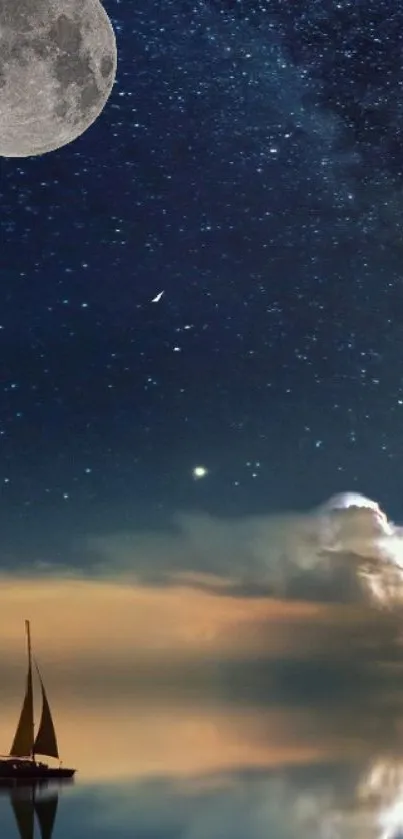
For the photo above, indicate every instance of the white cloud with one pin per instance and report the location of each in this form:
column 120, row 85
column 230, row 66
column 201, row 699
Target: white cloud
column 343, row 551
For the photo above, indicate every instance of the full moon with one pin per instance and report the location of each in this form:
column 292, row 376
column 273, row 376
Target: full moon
column 58, row 63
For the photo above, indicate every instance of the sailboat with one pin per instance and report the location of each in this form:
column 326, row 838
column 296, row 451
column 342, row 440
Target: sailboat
column 21, row 763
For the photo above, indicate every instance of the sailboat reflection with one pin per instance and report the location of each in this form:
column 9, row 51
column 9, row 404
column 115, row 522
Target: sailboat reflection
column 30, row 805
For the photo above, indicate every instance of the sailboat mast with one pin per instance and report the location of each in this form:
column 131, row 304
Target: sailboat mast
column 29, row 650
column 28, row 631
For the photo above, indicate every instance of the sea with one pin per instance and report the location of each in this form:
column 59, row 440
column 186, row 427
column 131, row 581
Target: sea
column 167, row 767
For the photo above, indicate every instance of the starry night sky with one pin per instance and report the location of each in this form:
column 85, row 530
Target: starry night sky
column 249, row 164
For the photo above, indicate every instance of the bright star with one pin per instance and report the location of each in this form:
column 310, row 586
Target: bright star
column 199, row 472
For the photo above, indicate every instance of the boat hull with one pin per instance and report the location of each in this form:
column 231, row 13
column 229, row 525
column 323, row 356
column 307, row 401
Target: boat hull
column 30, row 770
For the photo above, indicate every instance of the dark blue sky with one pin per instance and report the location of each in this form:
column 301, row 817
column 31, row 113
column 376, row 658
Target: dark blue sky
column 249, row 164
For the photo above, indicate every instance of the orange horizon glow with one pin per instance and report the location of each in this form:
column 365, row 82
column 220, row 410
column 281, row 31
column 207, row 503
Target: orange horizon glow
column 84, row 628
column 125, row 740
column 80, row 623
column 89, row 616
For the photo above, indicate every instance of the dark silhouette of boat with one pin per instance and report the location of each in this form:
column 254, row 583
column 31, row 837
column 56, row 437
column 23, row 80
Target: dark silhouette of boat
column 21, row 764
column 30, row 806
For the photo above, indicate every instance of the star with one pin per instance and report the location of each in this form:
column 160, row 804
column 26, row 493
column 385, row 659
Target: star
column 199, row 472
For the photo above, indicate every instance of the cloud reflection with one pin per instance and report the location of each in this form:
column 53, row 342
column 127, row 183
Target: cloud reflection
column 328, row 800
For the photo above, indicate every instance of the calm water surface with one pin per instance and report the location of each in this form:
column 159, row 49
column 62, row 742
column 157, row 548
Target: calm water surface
column 203, row 770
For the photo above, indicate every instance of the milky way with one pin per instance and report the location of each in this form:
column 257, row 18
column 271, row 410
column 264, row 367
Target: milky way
column 350, row 57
